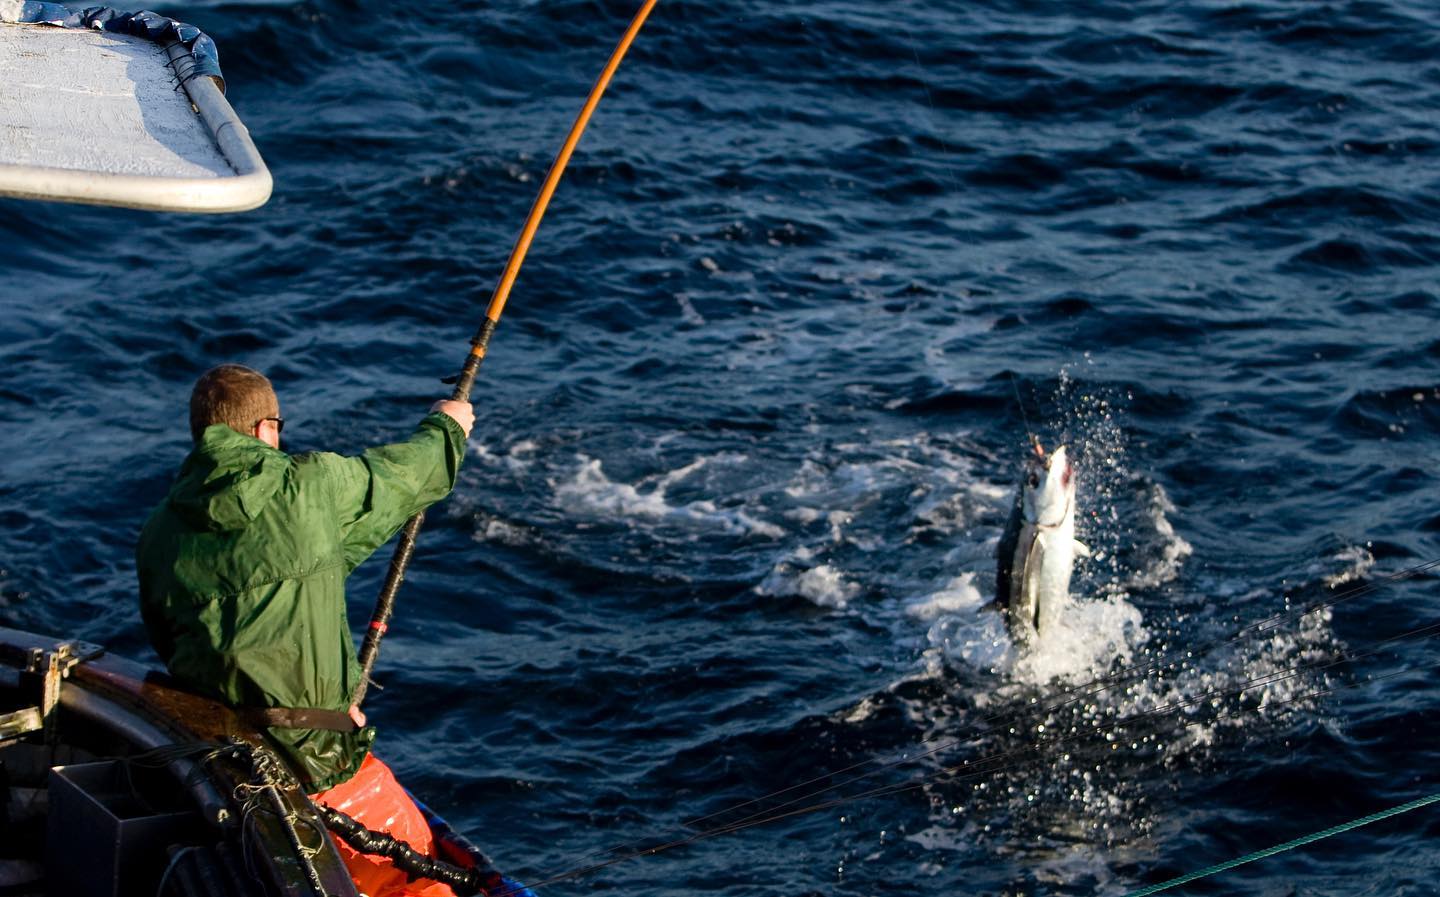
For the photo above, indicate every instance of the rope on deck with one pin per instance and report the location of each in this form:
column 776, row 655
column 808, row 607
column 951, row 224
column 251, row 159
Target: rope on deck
column 1288, row 845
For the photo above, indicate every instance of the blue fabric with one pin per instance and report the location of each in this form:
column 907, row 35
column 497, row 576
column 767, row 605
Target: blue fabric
column 515, row 889
column 150, row 25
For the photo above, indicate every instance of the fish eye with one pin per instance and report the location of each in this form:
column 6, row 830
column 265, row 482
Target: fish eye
column 1034, row 480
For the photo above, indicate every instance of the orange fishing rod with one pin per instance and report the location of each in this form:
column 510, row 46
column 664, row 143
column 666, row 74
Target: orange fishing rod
column 385, row 603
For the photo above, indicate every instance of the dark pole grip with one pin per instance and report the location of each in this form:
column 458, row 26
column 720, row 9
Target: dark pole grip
column 385, row 603
column 479, row 344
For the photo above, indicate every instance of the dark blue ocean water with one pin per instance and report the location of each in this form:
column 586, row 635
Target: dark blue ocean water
column 750, row 426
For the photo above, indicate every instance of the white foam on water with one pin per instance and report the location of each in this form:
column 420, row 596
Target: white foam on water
column 852, row 518
column 1164, row 565
column 593, row 493
column 804, row 516
column 1261, row 677
column 960, row 628
column 1086, row 639
column 502, row 533
column 589, row 492
column 688, row 312
column 822, row 584
column 1358, row 562
column 959, row 595
column 977, row 639
column 518, row 459
column 922, row 468
column 939, row 838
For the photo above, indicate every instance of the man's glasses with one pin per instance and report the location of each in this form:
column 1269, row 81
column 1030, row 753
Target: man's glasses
column 279, row 423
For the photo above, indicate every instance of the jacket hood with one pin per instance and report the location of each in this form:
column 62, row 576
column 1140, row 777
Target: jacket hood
column 227, row 480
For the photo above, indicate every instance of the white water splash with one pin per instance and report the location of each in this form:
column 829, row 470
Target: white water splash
column 591, row 493
column 688, row 313
column 517, row 460
column 1358, row 562
column 959, row 595
column 1163, row 562
column 1086, row 640
column 821, row 584
column 501, row 532
column 848, row 529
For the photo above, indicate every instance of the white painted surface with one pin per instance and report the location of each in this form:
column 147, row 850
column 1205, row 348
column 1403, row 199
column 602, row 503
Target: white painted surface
column 99, row 118
column 88, row 101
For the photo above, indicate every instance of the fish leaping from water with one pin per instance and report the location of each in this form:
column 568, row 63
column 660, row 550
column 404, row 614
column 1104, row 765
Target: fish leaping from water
column 1037, row 552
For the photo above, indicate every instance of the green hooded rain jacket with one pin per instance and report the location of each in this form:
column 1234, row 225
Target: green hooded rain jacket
column 242, row 572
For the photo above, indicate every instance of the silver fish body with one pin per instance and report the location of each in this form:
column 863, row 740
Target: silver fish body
column 1036, row 555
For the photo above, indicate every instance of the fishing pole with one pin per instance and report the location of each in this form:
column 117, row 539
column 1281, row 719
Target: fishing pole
column 479, row 343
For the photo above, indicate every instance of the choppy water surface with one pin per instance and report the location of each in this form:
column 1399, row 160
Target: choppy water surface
column 750, row 427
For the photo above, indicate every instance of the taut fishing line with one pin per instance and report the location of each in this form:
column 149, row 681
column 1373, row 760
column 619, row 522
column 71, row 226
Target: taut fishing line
column 992, row 764
column 1271, row 678
column 1080, row 692
column 970, row 768
column 997, row 763
column 1024, row 418
column 970, row 772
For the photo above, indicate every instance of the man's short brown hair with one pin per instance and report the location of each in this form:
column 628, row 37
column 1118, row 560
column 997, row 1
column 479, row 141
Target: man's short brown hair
column 234, row 395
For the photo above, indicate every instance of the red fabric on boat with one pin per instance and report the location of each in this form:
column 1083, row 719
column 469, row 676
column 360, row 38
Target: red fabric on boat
column 374, row 799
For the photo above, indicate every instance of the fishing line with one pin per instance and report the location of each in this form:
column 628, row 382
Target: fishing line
column 994, row 764
column 1077, row 693
column 1271, row 678
column 973, row 767
column 970, row 772
column 1024, row 418
column 920, row 782
column 950, row 171
column 995, row 722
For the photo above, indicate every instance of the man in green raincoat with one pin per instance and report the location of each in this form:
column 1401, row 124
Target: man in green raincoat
column 242, row 588
column 243, row 565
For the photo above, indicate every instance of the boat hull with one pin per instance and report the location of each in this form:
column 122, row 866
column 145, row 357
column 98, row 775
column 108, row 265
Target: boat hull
column 147, row 788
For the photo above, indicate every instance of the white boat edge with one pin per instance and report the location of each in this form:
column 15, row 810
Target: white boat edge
column 248, row 189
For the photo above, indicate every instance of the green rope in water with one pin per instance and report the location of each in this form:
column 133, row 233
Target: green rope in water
column 1288, row 845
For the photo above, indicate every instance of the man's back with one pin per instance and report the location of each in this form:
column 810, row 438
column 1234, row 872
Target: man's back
column 242, row 571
